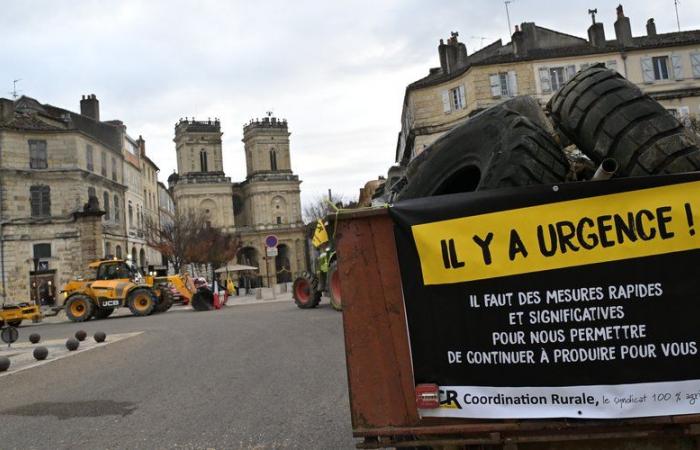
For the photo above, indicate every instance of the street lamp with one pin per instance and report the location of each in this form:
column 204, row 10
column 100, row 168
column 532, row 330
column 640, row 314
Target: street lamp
column 35, row 260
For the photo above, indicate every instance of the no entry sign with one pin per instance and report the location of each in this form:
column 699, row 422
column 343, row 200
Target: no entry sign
column 271, row 241
column 579, row 301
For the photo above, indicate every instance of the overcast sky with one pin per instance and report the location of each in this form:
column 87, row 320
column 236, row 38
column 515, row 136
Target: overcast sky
column 335, row 70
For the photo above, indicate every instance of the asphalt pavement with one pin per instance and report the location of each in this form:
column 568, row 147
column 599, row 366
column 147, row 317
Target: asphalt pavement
column 255, row 376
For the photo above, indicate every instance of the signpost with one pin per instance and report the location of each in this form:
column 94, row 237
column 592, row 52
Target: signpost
column 270, row 252
column 9, row 335
column 579, row 301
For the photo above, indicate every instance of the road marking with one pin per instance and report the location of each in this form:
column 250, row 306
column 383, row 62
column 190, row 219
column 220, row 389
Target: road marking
column 22, row 358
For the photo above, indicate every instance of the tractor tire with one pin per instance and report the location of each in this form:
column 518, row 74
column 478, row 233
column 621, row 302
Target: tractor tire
column 102, row 313
column 498, row 147
column 305, row 295
column 141, row 302
column 334, row 286
column 203, row 300
column 79, row 308
column 606, row 116
column 166, row 300
column 14, row 323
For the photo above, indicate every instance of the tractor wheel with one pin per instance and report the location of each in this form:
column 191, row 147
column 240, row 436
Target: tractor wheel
column 334, row 286
column 203, row 300
column 103, row 313
column 304, row 292
column 607, row 116
column 14, row 323
column 166, row 300
column 498, row 147
column 141, row 302
column 79, row 308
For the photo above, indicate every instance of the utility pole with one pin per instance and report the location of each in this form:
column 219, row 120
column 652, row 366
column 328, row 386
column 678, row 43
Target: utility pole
column 510, row 30
column 678, row 22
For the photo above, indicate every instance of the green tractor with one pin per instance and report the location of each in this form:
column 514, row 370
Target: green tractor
column 308, row 289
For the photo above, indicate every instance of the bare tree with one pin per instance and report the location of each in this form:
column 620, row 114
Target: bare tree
column 321, row 206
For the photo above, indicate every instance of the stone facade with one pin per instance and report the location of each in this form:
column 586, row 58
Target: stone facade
column 536, row 62
column 51, row 161
column 266, row 203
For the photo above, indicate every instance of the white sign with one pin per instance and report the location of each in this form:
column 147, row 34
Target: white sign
column 271, row 251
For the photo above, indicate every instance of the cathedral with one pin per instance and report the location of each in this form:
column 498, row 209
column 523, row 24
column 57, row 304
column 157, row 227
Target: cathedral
column 266, row 203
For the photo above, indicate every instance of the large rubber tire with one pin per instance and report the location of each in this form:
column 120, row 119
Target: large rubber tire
column 305, row 295
column 606, row 116
column 166, row 300
column 102, row 313
column 203, row 300
column 496, row 148
column 79, row 308
column 141, row 302
column 334, row 287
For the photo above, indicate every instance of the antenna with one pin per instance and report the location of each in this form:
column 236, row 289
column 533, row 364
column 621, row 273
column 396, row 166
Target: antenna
column 507, row 2
column 678, row 22
column 14, row 88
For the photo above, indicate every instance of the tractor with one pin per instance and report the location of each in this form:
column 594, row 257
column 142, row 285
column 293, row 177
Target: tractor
column 308, row 289
column 118, row 283
column 13, row 315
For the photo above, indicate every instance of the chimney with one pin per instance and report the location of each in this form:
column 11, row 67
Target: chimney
column 596, row 35
column 518, row 40
column 7, row 110
column 90, row 107
column 142, row 146
column 651, row 27
column 453, row 55
column 623, row 29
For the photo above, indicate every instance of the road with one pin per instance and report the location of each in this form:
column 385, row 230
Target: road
column 253, row 376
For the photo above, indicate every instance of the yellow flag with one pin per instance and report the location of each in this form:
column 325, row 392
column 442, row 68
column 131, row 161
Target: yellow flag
column 320, row 235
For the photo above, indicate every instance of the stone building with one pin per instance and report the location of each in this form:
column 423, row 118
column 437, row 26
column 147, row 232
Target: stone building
column 51, row 162
column 537, row 62
column 266, row 203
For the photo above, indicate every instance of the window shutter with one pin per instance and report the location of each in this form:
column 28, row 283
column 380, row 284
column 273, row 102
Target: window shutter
column 462, row 96
column 512, row 83
column 35, row 200
column 570, row 72
column 45, row 201
column 495, row 85
column 677, row 67
column 545, row 82
column 647, row 70
column 446, row 101
column 612, row 65
column 695, row 62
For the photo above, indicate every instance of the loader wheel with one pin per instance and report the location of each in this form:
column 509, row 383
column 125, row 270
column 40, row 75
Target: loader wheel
column 166, row 300
column 498, row 147
column 141, row 302
column 305, row 296
column 334, row 286
column 14, row 323
column 203, row 300
column 79, row 308
column 102, row 313
column 606, row 116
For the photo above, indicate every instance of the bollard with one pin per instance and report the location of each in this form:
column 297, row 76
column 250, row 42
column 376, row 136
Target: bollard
column 100, row 336
column 72, row 344
column 80, row 335
column 4, row 363
column 40, row 353
column 34, row 338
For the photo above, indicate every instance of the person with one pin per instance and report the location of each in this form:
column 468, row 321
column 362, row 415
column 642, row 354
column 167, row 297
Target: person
column 229, row 286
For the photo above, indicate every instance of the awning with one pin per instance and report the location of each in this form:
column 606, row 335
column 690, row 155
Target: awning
column 234, row 268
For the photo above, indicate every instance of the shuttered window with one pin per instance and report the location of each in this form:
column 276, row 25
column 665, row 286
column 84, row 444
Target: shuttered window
column 105, row 197
column 37, row 154
column 504, row 84
column 40, row 200
column 104, row 164
column 695, row 62
column 90, row 158
column 454, row 99
column 116, row 208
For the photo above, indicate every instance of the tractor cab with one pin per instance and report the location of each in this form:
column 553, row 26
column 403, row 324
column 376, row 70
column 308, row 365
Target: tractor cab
column 116, row 269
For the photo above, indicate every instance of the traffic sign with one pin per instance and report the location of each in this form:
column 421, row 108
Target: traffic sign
column 271, row 241
column 9, row 335
column 272, row 251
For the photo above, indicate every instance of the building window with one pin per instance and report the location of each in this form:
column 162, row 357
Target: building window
column 108, row 250
column 114, row 169
column 118, row 251
column 42, row 251
column 89, row 157
column 40, row 200
column 131, row 214
column 556, row 77
column 203, row 160
column 116, row 208
column 37, row 154
column 105, row 197
column 91, row 192
column 279, row 220
column 552, row 78
column 504, row 84
column 453, row 99
column 273, row 160
column 660, row 65
column 104, row 164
